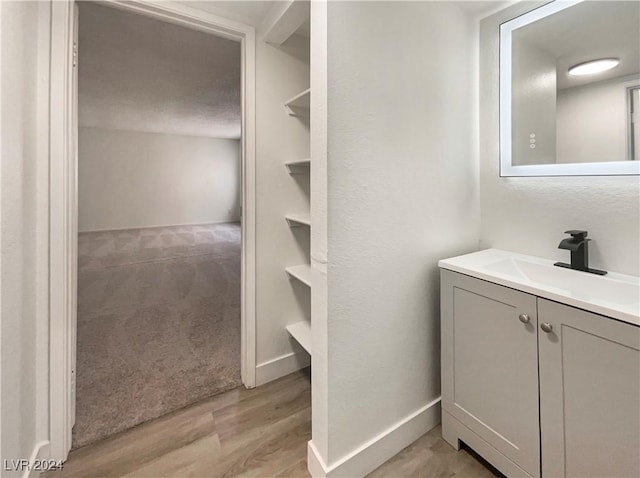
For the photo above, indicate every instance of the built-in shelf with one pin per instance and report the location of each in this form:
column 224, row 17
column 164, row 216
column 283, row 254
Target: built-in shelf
column 301, row 331
column 301, row 166
column 301, row 273
column 300, row 104
column 297, row 220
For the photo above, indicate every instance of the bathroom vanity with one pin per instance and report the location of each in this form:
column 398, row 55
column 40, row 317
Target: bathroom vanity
column 541, row 366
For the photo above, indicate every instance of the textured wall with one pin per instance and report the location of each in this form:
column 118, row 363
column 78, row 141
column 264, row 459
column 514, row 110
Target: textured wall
column 129, row 179
column 319, row 330
column 529, row 215
column 402, row 194
column 23, row 239
column 141, row 74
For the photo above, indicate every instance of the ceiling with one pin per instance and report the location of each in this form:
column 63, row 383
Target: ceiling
column 588, row 31
column 253, row 12
column 248, row 12
column 137, row 73
column 482, row 8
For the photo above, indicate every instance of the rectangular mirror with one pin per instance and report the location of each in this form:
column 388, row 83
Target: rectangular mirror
column 570, row 90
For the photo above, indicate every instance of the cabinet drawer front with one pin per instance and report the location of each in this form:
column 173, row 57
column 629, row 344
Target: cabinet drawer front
column 490, row 365
column 589, row 394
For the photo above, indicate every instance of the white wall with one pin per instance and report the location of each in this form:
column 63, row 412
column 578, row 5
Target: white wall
column 592, row 122
column 130, row 179
column 23, row 239
column 402, row 194
column 319, row 328
column 529, row 215
column 281, row 73
column 533, row 104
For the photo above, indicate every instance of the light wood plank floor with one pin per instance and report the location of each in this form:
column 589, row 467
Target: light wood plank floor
column 261, row 432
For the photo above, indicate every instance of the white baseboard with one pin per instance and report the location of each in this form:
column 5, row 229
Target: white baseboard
column 315, row 464
column 281, row 366
column 40, row 452
column 157, row 226
column 379, row 449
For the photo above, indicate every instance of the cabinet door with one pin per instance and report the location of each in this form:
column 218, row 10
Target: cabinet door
column 589, row 394
column 490, row 365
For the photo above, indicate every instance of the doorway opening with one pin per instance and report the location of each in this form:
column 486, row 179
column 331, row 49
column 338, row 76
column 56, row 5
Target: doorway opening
column 159, row 194
column 156, row 185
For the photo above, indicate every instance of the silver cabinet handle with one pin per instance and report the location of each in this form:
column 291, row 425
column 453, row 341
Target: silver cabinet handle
column 546, row 327
column 524, row 318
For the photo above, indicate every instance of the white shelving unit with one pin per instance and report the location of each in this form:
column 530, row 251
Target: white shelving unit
column 301, row 166
column 300, row 104
column 301, row 273
column 298, row 220
column 301, row 331
column 287, row 19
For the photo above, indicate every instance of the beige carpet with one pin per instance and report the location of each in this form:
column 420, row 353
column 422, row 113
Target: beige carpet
column 158, row 323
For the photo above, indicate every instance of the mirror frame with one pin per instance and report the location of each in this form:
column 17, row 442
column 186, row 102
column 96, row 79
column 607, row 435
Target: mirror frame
column 507, row 169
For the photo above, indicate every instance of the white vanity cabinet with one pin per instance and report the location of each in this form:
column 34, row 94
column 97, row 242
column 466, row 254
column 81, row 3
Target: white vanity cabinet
column 589, row 394
column 536, row 387
column 490, row 368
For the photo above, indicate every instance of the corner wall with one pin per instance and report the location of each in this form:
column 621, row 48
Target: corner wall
column 530, row 214
column 402, row 194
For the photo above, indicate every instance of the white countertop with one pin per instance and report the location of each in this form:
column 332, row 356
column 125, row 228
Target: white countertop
column 613, row 295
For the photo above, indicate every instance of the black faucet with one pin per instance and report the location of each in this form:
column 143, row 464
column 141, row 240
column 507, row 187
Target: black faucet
column 578, row 244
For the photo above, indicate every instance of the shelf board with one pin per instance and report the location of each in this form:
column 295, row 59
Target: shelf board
column 300, row 104
column 301, row 273
column 284, row 19
column 301, row 166
column 297, row 220
column 301, row 331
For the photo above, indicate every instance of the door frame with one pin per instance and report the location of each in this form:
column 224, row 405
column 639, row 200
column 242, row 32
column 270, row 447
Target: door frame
column 63, row 198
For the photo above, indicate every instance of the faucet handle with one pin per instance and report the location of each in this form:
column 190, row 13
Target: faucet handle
column 579, row 235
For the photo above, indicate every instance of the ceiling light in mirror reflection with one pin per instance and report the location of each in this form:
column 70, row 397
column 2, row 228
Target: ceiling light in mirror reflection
column 593, row 67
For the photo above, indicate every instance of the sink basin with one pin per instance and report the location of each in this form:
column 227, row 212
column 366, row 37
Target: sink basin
column 614, row 295
column 576, row 284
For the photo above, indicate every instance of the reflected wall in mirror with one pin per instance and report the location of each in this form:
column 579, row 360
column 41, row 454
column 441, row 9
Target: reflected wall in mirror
column 570, row 90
